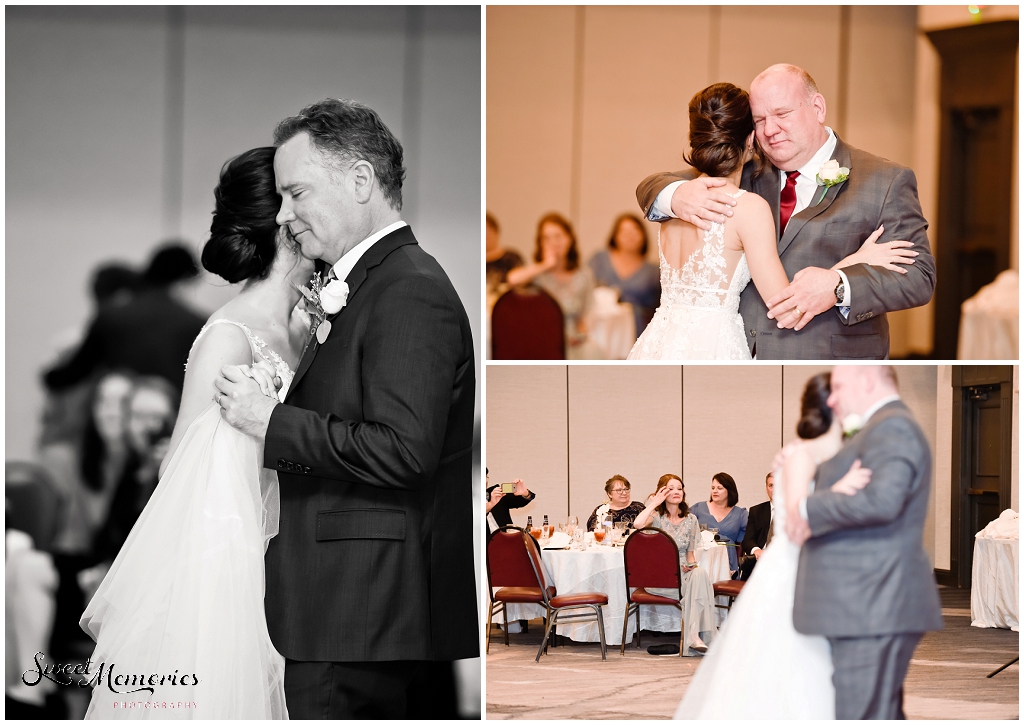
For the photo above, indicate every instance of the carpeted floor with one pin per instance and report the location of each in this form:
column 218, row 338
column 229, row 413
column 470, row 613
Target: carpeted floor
column 947, row 677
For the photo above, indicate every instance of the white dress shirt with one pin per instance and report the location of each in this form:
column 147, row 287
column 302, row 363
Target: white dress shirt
column 806, row 188
column 864, row 421
column 344, row 266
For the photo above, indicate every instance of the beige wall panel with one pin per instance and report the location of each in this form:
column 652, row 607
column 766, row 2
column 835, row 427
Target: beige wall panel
column 918, row 384
column 530, row 66
column 943, row 464
column 642, row 65
column 526, row 434
column 85, row 118
column 754, row 37
column 625, row 420
column 731, row 417
column 1015, row 445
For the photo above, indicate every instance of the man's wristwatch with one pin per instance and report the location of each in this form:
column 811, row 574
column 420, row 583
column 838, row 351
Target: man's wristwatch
column 840, row 290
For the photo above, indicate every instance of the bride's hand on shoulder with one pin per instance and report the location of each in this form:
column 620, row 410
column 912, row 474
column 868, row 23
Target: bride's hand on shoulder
column 886, row 255
column 854, row 480
column 700, row 202
column 265, row 376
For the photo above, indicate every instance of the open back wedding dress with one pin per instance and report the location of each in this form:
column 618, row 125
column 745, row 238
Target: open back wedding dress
column 184, row 597
column 759, row 667
column 698, row 318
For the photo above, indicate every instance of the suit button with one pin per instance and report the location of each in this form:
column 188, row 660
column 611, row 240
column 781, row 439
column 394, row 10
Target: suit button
column 280, row 463
column 307, row 469
column 753, row 333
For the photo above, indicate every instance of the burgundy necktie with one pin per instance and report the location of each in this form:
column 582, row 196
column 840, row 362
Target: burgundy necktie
column 787, row 202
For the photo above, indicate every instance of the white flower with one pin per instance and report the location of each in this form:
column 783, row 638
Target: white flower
column 852, row 423
column 832, row 173
column 334, row 296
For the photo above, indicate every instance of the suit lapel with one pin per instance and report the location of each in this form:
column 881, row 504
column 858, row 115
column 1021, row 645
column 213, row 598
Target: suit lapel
column 797, row 222
column 373, row 257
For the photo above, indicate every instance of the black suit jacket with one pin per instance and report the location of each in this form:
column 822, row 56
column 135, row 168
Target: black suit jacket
column 150, row 334
column 373, row 447
column 759, row 519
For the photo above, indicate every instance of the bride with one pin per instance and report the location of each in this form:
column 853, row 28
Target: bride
column 759, row 666
column 703, row 273
column 178, row 620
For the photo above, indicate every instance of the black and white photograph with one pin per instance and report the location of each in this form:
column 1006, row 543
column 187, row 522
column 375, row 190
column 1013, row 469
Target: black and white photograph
column 243, row 380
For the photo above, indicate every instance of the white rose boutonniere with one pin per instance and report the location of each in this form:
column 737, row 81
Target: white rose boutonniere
column 830, row 174
column 323, row 300
column 851, row 425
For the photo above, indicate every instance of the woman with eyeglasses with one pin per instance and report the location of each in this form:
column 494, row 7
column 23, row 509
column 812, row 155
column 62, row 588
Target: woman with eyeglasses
column 619, row 504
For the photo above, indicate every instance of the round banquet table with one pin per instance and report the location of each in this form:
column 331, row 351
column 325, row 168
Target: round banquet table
column 601, row 569
column 994, row 594
column 989, row 321
column 613, row 330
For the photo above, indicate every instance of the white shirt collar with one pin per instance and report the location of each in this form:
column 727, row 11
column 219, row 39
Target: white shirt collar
column 810, row 169
column 344, row 266
column 878, row 404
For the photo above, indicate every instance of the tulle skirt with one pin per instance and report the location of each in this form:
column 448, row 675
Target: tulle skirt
column 759, row 667
column 687, row 332
column 181, row 610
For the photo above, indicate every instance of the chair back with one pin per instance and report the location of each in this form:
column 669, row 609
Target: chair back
column 527, row 324
column 652, row 560
column 32, row 502
column 513, row 560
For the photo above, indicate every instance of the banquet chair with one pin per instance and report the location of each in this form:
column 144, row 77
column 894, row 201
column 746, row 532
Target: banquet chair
column 651, row 560
column 520, row 550
column 527, row 324
column 32, row 502
column 730, row 588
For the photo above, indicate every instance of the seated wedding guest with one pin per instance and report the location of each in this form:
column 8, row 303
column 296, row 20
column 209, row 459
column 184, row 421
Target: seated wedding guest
column 667, row 510
column 151, row 409
column 721, row 512
column 556, row 270
column 618, row 504
column 624, row 266
column 759, row 530
column 151, row 335
column 500, row 504
column 500, row 261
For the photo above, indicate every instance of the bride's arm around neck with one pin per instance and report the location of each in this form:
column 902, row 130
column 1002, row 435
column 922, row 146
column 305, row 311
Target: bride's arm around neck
column 755, row 227
column 220, row 345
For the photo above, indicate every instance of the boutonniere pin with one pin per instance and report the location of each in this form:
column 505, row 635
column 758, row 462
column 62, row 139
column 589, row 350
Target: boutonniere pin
column 852, row 425
column 830, row 174
column 323, row 300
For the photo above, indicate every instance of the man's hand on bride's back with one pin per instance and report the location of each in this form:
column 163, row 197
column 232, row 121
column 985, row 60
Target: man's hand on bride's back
column 854, row 480
column 700, row 202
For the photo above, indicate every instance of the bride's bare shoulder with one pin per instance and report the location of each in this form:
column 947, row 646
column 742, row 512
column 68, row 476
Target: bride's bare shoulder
column 221, row 343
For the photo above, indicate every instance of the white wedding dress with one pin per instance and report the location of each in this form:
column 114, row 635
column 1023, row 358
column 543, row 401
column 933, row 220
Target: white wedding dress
column 759, row 667
column 698, row 318
column 184, row 597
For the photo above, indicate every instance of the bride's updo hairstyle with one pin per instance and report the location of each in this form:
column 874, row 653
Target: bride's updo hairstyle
column 720, row 121
column 815, row 415
column 243, row 235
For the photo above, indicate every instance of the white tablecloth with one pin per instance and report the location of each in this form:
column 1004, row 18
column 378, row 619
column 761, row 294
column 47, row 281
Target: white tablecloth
column 601, row 569
column 994, row 593
column 613, row 330
column 988, row 321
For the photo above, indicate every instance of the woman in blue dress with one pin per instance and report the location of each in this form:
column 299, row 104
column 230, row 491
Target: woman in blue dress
column 624, row 266
column 721, row 512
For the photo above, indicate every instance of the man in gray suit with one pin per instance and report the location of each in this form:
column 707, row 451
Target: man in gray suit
column 822, row 314
column 864, row 580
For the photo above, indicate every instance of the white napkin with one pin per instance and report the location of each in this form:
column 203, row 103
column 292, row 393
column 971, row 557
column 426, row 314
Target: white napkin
column 558, row 540
column 1007, row 526
column 606, row 300
column 707, row 539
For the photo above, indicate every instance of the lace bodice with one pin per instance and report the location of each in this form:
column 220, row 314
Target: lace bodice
column 702, row 281
column 259, row 347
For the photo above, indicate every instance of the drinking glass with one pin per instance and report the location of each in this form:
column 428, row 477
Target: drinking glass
column 599, row 534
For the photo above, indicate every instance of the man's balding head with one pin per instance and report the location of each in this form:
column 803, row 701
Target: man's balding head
column 789, row 115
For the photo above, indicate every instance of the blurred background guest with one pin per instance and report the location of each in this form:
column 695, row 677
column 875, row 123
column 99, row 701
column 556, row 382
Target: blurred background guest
column 500, row 504
column 721, row 512
column 619, row 503
column 500, row 261
column 152, row 407
column 759, row 528
column 667, row 510
column 623, row 266
column 151, row 334
column 556, row 270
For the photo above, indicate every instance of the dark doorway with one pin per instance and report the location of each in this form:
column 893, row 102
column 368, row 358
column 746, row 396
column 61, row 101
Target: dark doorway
column 982, row 439
column 972, row 232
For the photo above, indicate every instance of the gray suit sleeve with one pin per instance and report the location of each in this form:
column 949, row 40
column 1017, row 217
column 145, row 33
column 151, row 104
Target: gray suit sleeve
column 894, row 454
column 648, row 189
column 874, row 290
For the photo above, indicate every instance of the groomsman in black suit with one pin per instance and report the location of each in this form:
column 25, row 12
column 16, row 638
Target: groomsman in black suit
column 759, row 528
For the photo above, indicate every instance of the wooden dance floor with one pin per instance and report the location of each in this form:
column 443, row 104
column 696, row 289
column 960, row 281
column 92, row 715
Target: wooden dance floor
column 946, row 680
